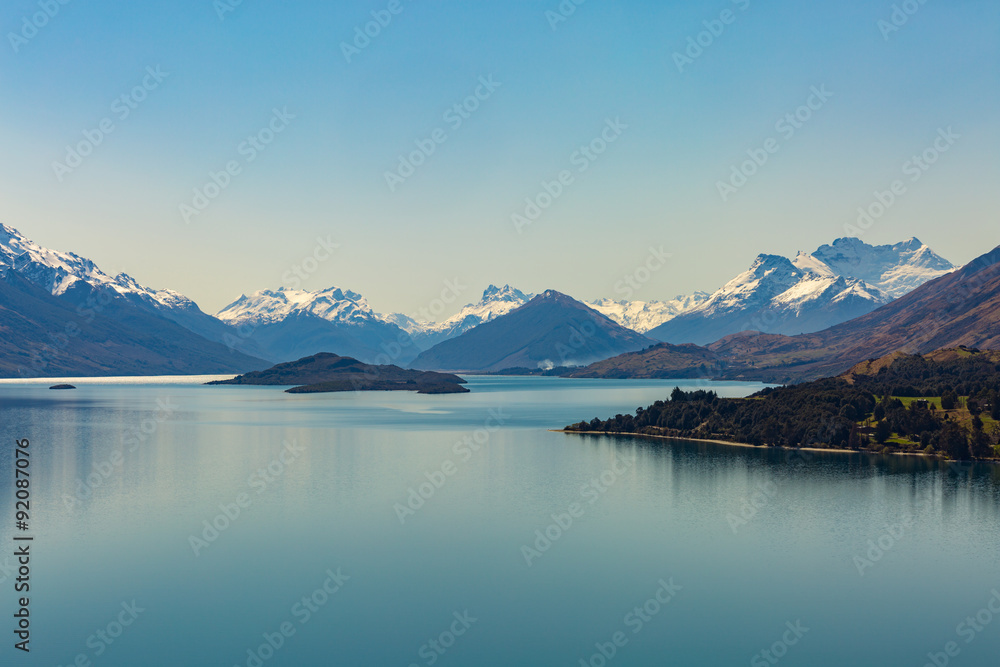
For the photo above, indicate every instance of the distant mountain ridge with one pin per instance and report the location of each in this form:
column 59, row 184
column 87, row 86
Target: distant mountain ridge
column 60, row 315
column 550, row 330
column 835, row 284
column 643, row 316
column 496, row 301
column 958, row 309
column 291, row 324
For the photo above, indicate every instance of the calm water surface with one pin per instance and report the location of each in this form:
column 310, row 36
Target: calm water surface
column 460, row 531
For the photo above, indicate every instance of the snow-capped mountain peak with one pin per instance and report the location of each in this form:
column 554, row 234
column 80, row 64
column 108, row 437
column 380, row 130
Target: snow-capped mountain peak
column 838, row 282
column 271, row 306
column 496, row 302
column 56, row 272
column 894, row 269
column 642, row 316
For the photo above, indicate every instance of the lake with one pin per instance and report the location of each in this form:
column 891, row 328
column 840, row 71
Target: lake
column 183, row 525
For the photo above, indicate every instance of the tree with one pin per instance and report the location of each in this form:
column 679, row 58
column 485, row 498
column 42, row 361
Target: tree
column 953, row 441
column 949, row 400
column 882, row 432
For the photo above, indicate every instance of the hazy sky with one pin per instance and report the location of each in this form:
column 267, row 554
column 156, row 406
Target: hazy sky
column 887, row 94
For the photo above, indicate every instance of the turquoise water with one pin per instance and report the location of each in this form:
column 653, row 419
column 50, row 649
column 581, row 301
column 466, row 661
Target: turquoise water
column 656, row 553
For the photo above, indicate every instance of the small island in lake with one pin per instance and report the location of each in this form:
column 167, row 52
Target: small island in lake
column 946, row 403
column 62, row 387
column 325, row 372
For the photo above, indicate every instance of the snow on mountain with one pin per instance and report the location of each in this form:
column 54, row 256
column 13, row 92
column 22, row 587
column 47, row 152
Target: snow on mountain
column 273, row 306
column 56, row 272
column 838, row 282
column 895, row 269
column 643, row 316
column 496, row 301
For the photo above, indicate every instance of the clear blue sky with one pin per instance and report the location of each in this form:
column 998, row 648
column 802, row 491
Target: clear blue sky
column 324, row 174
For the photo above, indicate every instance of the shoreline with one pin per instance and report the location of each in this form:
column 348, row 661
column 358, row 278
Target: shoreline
column 730, row 443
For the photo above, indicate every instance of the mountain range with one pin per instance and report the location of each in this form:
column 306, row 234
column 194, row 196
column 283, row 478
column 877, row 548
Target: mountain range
column 550, row 330
column 814, row 291
column 61, row 315
column 958, row 309
column 117, row 326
